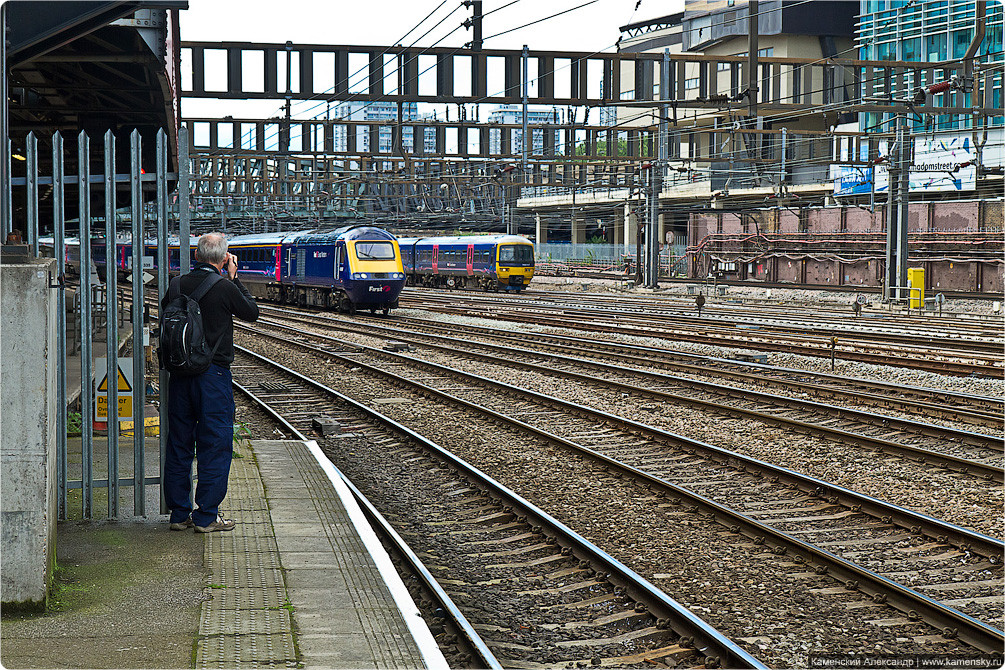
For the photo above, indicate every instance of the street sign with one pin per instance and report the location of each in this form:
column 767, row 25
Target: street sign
column 124, row 384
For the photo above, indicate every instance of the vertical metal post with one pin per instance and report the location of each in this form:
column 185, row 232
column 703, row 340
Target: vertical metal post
column 5, row 182
column 524, row 137
column 162, row 284
column 659, row 166
column 903, row 199
column 184, row 203
column 476, row 23
column 139, row 379
column 892, row 185
column 752, row 27
column 86, row 325
column 111, row 328
column 59, row 249
column 781, row 171
column 31, row 154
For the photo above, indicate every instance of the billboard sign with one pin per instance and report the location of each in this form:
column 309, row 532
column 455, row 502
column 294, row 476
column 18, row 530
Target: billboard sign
column 937, row 166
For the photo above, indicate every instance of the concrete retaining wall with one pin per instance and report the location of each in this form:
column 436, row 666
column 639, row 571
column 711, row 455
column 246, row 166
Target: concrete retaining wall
column 27, row 433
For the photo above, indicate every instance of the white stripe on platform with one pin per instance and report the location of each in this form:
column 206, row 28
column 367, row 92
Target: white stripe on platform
column 427, row 646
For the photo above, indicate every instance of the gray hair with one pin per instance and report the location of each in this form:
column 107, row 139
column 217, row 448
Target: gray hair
column 212, row 249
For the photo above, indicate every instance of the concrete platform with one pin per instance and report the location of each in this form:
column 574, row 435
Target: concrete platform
column 304, row 558
column 302, row 581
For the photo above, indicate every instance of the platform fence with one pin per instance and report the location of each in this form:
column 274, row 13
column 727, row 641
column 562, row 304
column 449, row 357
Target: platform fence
column 146, row 185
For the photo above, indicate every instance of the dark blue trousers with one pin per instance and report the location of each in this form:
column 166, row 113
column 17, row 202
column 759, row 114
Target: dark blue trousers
column 200, row 425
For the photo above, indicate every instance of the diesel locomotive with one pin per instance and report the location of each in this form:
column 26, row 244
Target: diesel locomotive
column 489, row 262
column 356, row 267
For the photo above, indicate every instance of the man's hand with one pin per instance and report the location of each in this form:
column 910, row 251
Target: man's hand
column 231, row 265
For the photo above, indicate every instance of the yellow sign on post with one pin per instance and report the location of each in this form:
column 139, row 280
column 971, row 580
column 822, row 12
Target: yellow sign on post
column 124, row 385
column 916, row 280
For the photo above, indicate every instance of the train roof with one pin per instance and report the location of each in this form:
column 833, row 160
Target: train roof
column 470, row 239
column 258, row 238
column 346, row 233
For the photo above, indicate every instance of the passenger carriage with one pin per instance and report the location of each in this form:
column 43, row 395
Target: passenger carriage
column 489, row 262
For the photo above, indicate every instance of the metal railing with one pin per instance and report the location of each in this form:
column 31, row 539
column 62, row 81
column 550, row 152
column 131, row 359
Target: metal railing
column 92, row 293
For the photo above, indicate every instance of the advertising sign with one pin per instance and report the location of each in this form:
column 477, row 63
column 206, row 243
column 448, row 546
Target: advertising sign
column 941, row 163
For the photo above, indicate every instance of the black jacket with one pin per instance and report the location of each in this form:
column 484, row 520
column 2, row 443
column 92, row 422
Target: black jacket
column 225, row 300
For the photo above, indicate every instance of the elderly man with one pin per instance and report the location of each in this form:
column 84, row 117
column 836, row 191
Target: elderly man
column 201, row 407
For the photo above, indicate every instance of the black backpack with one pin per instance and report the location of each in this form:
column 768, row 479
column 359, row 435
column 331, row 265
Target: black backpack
column 183, row 346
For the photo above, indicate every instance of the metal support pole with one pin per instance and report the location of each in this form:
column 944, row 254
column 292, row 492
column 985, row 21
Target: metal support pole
column 31, row 155
column 652, row 229
column 139, row 379
column 525, row 137
column 162, row 286
column 59, row 248
column 903, row 199
column 752, row 29
column 659, row 166
column 5, row 182
column 111, row 328
column 86, row 325
column 184, row 203
column 781, row 171
column 892, row 220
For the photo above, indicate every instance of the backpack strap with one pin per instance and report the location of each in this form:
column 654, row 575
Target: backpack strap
column 204, row 287
column 174, row 289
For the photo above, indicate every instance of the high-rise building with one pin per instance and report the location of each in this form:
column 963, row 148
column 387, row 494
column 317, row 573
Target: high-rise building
column 513, row 114
column 929, row 31
column 376, row 112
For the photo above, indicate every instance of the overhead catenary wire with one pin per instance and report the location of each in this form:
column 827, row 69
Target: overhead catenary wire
column 780, row 116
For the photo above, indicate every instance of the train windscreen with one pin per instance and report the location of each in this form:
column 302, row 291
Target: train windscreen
column 375, row 251
column 516, row 255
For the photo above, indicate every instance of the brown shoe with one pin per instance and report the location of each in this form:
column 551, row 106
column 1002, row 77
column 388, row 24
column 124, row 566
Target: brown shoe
column 182, row 525
column 219, row 524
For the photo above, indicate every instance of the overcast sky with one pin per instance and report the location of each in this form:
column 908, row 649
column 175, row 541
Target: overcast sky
column 593, row 27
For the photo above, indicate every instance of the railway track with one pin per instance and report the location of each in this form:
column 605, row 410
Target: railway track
column 664, row 281
column 557, row 598
column 943, row 355
column 958, row 329
column 939, row 446
column 932, row 404
column 794, row 516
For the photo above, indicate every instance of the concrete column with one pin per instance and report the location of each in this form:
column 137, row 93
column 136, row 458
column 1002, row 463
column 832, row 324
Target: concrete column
column 631, row 229
column 578, row 230
column 542, row 229
column 619, row 226
column 28, row 433
column 664, row 226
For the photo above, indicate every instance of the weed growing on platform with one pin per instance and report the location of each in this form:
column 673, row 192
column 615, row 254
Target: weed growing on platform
column 73, row 424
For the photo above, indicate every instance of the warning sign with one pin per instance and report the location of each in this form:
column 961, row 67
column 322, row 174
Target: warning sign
column 124, row 386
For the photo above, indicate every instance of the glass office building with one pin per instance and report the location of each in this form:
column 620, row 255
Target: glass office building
column 928, row 31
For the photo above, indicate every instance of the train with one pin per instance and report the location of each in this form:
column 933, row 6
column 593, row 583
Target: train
column 353, row 268
column 488, row 262
column 348, row 269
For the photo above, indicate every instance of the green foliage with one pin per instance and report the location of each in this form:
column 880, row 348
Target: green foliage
column 242, row 437
column 597, row 239
column 74, row 424
column 600, row 148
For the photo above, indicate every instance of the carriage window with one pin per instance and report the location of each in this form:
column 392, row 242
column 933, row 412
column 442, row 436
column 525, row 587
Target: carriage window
column 374, row 251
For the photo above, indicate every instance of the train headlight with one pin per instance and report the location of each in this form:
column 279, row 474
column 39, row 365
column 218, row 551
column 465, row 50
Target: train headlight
column 362, row 275
column 399, row 275
column 355, row 275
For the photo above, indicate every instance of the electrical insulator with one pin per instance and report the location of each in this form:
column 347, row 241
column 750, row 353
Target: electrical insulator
column 923, row 93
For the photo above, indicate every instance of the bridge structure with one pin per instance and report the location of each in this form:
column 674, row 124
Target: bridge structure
column 646, row 143
column 670, row 134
